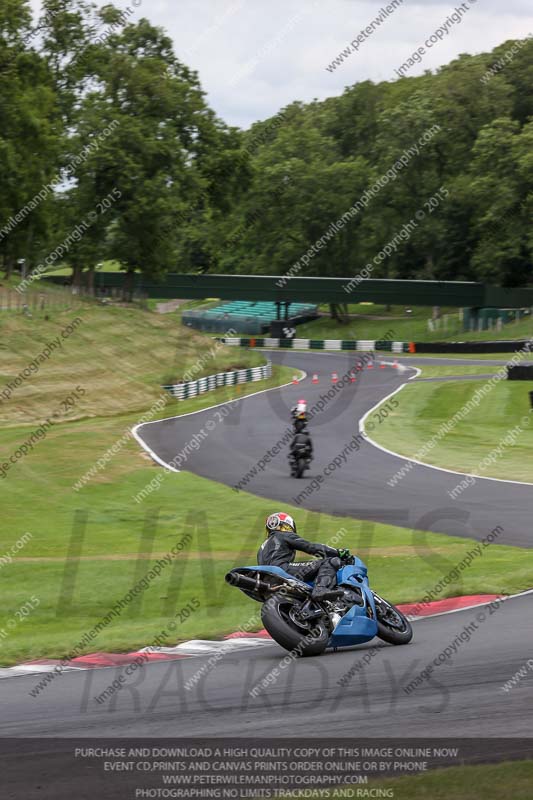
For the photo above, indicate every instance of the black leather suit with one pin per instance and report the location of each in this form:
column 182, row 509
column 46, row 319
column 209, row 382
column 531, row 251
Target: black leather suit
column 300, row 439
column 279, row 549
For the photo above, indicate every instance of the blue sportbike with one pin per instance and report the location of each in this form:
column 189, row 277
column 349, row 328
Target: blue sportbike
column 307, row 627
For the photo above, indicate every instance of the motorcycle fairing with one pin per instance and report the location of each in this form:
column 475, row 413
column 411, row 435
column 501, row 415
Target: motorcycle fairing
column 359, row 624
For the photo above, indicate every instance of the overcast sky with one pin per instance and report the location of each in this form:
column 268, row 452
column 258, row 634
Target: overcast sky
column 256, row 56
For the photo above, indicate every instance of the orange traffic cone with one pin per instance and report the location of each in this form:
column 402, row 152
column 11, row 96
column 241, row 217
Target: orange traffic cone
column 315, row 378
column 334, row 377
column 295, row 379
column 352, row 378
column 395, row 365
column 370, row 365
column 382, row 366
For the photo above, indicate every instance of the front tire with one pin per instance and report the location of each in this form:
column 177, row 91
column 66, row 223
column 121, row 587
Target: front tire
column 393, row 626
column 300, row 467
column 278, row 616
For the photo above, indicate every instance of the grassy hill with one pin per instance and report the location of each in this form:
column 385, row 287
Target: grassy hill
column 120, row 357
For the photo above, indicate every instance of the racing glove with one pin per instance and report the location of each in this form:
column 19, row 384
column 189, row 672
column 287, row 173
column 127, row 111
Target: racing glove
column 344, row 553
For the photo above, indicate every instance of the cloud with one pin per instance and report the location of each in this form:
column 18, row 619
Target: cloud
column 254, row 57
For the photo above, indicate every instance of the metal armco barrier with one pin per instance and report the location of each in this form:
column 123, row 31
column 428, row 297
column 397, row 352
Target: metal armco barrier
column 509, row 346
column 318, row 344
column 183, row 391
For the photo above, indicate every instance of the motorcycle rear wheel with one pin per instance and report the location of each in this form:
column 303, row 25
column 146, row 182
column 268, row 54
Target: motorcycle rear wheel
column 300, row 467
column 278, row 616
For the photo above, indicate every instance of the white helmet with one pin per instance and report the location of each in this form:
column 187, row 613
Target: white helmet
column 280, row 522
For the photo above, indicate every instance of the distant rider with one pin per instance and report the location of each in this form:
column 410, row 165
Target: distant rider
column 299, row 416
column 301, row 445
column 279, row 550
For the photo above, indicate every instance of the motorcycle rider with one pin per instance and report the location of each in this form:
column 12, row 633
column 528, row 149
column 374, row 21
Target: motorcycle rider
column 299, row 416
column 301, row 440
column 279, row 549
column 301, row 445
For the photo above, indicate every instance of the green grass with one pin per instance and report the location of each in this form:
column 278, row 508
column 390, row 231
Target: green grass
column 120, row 357
column 116, row 529
column 444, row 370
column 406, row 327
column 107, row 266
column 512, row 780
column 465, row 357
column 188, row 305
column 424, row 407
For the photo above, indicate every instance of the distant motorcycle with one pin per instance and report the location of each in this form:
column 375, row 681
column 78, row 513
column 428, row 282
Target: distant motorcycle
column 306, row 626
column 300, row 458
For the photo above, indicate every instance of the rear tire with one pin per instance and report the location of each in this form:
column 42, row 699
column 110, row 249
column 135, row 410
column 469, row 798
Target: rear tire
column 393, row 626
column 304, row 641
column 300, row 467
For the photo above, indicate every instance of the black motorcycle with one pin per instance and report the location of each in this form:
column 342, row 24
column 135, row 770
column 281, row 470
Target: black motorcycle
column 300, row 459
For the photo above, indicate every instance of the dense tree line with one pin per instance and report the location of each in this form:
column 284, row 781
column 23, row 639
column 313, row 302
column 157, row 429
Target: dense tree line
column 108, row 150
column 332, row 151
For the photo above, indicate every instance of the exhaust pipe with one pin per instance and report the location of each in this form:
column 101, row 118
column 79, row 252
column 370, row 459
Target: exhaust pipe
column 256, row 584
column 244, row 582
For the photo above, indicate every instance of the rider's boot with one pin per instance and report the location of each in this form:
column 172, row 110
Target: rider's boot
column 322, row 590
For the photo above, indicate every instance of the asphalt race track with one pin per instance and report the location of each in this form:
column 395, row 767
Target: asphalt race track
column 359, row 487
column 362, row 691
column 463, row 696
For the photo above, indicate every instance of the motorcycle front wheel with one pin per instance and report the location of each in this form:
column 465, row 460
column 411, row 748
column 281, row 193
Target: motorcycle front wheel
column 303, row 638
column 393, row 626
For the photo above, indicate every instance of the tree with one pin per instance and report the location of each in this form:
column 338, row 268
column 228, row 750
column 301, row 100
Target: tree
column 161, row 162
column 502, row 186
column 299, row 187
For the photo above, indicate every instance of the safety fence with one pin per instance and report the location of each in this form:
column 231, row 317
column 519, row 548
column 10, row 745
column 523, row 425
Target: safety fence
column 33, row 300
column 320, row 344
column 369, row 345
column 182, row 391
